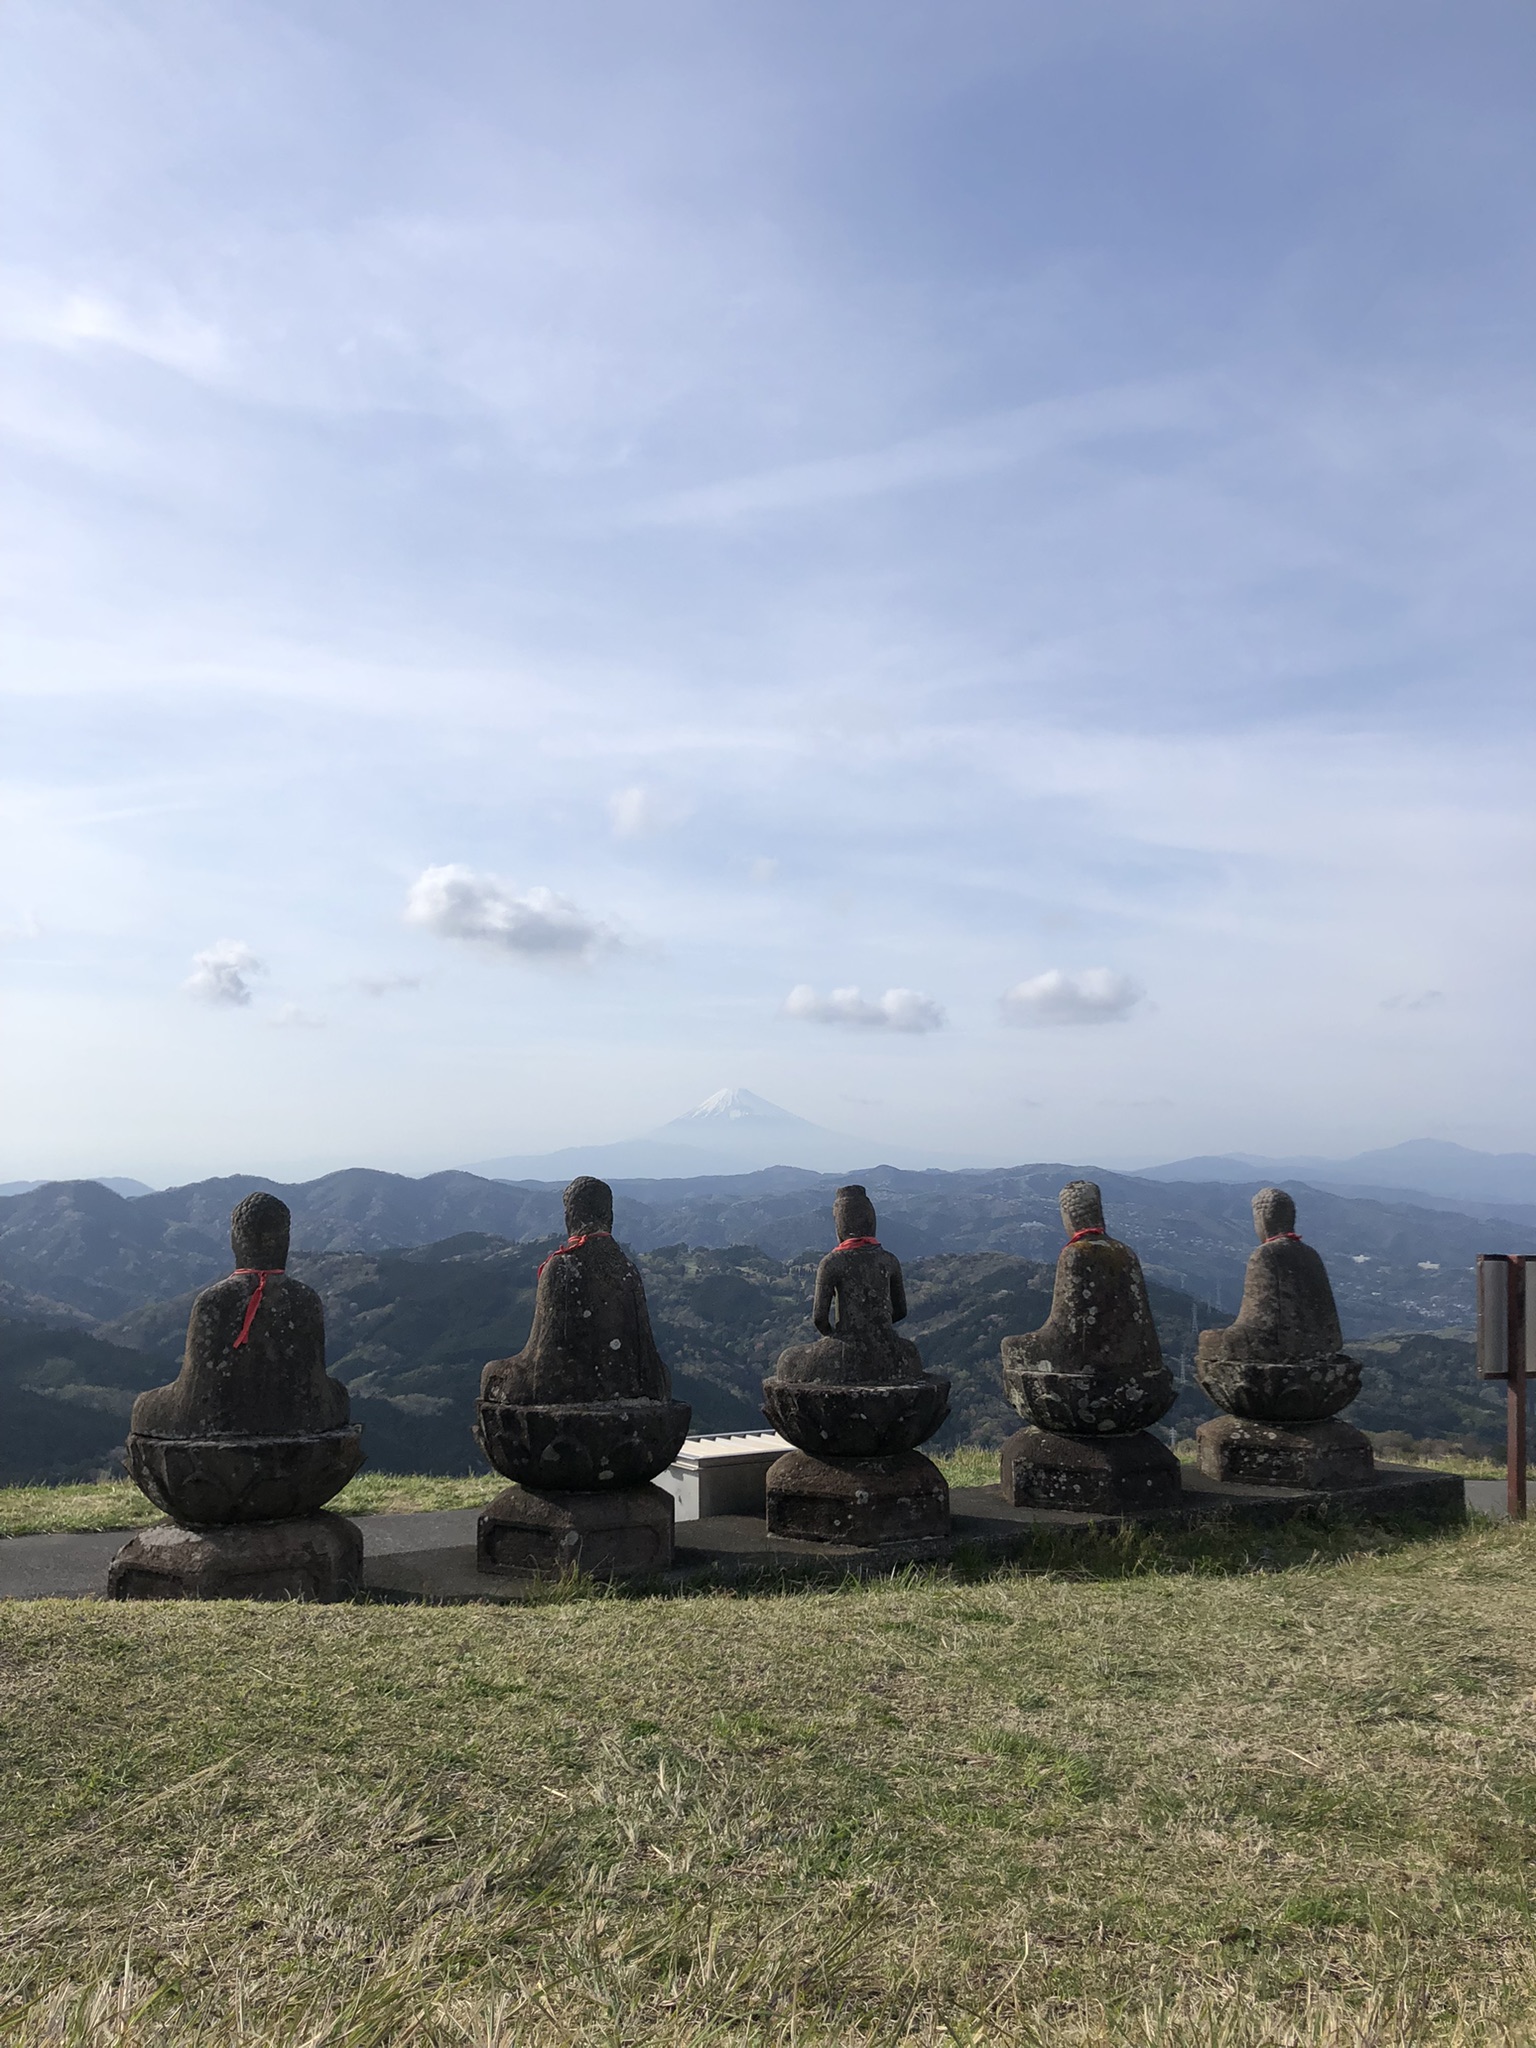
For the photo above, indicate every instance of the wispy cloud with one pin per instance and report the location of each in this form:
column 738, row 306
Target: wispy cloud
column 292, row 1017
column 221, row 973
column 379, row 985
column 1094, row 995
column 534, row 924
column 639, row 813
column 993, row 442
column 899, row 1009
column 1426, row 999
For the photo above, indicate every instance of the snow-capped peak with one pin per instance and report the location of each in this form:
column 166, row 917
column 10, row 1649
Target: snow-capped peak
column 735, row 1105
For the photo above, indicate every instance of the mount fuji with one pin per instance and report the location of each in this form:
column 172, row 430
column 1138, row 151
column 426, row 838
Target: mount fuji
column 731, row 1131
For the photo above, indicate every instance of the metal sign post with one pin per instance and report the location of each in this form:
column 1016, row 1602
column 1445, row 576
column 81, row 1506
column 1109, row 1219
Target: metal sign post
column 1505, row 1343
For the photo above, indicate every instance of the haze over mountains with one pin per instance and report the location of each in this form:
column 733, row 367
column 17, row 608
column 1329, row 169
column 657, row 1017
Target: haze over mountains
column 1478, row 1182
column 731, row 1131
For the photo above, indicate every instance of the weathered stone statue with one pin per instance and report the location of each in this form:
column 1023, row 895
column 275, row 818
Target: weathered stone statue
column 247, row 1443
column 1090, row 1381
column 1280, row 1371
column 856, row 1404
column 582, row 1419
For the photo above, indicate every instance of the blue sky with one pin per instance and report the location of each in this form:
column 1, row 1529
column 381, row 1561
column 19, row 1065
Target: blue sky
column 964, row 568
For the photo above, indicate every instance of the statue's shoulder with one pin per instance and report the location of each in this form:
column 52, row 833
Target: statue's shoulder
column 228, row 1292
column 302, row 1296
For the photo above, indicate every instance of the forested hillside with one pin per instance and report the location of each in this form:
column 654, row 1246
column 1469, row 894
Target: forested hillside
column 75, row 1251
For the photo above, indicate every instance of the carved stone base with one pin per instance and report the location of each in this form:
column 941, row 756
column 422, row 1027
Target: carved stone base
column 207, row 1480
column 624, row 1533
column 900, row 1499
column 1306, row 1454
column 1096, row 1475
column 317, row 1558
column 856, row 1421
column 568, row 1447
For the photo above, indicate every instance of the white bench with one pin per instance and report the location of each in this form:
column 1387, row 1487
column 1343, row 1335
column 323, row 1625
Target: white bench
column 724, row 1474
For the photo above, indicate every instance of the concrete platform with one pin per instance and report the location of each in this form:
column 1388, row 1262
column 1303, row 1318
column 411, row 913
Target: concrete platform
column 723, row 1549
column 432, row 1556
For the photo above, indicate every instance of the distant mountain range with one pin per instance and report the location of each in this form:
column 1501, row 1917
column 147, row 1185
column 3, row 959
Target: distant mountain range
column 1452, row 1176
column 115, row 1182
column 74, row 1252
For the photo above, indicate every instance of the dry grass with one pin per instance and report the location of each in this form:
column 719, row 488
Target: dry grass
column 1159, row 1791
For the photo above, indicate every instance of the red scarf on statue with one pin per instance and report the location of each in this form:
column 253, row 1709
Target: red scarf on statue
column 263, row 1275
column 572, row 1244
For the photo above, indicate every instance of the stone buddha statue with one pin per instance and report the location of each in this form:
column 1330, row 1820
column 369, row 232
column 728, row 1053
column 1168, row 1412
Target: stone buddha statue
column 248, row 1442
column 856, row 1404
column 1096, row 1363
column 860, row 1297
column 1093, row 1371
column 254, row 1363
column 1280, row 1370
column 582, row 1418
column 591, row 1337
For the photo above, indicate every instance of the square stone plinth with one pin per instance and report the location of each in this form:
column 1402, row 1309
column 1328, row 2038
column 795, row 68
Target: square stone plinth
column 319, row 1557
column 1091, row 1475
column 1327, row 1455
column 625, row 1533
column 861, row 1501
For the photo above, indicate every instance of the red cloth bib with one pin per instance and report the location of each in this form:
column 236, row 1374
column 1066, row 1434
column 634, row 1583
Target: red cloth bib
column 1281, row 1235
column 853, row 1244
column 1093, row 1230
column 263, row 1275
column 571, row 1244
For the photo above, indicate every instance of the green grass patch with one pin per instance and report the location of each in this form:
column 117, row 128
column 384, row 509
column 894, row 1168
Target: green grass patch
column 118, row 1503
column 1150, row 1792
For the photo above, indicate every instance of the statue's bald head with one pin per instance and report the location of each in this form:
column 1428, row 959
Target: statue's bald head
column 1082, row 1206
column 1274, row 1213
column 258, row 1232
column 853, row 1213
column 588, row 1205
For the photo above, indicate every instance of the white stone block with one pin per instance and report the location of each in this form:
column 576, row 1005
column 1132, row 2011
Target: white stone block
column 725, row 1474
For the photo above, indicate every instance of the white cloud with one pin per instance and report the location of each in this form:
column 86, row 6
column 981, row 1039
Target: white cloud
column 1425, row 1000
column 899, row 1009
column 1095, row 995
column 219, row 973
column 456, row 903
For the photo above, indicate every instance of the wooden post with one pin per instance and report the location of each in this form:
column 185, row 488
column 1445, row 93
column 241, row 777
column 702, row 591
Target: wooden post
column 1514, row 1454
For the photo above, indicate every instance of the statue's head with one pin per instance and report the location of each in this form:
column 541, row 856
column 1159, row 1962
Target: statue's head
column 1274, row 1213
column 853, row 1213
column 258, row 1232
column 1082, row 1206
column 588, row 1205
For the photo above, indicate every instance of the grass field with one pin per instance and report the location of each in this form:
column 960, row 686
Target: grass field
column 118, row 1503
column 1179, row 1792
